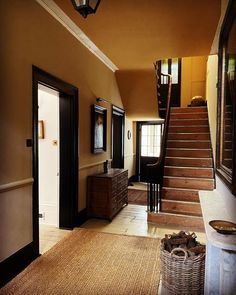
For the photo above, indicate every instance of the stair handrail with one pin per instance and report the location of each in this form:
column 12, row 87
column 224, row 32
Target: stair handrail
column 154, row 203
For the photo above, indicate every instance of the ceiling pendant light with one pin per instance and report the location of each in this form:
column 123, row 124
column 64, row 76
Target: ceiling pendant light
column 85, row 7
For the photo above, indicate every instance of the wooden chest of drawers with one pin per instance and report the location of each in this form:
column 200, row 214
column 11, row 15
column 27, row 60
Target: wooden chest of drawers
column 107, row 193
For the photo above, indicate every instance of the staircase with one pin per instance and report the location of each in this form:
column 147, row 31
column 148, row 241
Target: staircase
column 188, row 168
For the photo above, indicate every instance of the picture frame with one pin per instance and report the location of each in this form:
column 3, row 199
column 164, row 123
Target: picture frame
column 41, row 133
column 99, row 129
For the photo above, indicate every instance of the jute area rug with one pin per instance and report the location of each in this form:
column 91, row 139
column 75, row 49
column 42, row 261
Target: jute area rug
column 137, row 197
column 88, row 262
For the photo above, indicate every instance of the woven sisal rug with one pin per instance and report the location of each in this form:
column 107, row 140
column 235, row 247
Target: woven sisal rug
column 88, row 262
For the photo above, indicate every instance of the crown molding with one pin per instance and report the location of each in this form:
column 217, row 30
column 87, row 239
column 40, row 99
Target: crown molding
column 51, row 7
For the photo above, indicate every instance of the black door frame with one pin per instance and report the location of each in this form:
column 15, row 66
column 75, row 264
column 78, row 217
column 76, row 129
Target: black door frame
column 116, row 111
column 68, row 141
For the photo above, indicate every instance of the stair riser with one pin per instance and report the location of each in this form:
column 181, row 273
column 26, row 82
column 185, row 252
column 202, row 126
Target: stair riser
column 176, row 220
column 228, row 144
column 228, row 136
column 188, row 144
column 188, row 153
column 189, row 110
column 182, row 162
column 181, row 208
column 188, row 136
column 187, row 172
column 199, row 184
column 186, row 129
column 180, row 195
column 227, row 154
column 228, row 115
column 188, row 116
column 189, row 122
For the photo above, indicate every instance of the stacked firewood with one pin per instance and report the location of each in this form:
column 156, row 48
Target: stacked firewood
column 183, row 240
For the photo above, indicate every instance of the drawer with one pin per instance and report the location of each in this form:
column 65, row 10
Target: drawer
column 98, row 199
column 122, row 195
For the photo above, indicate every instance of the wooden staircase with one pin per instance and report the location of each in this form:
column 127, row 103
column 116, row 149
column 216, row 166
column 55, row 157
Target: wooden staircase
column 188, row 168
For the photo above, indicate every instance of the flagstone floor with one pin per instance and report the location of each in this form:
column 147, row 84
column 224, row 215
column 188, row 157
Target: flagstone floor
column 131, row 220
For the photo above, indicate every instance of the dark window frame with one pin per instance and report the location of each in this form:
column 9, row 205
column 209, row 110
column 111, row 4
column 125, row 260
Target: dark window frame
column 228, row 178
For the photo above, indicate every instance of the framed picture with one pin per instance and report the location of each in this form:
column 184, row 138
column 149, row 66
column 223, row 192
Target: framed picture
column 40, row 129
column 99, row 129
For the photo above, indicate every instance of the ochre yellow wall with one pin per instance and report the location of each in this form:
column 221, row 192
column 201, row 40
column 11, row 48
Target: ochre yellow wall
column 193, row 78
column 31, row 36
column 211, row 95
column 138, row 92
column 130, row 147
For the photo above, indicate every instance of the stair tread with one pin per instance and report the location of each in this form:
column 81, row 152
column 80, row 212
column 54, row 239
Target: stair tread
column 187, row 119
column 180, row 202
column 193, row 168
column 183, row 221
column 184, row 177
column 171, row 157
column 192, row 126
column 189, row 133
column 189, row 140
column 180, row 215
column 180, row 188
column 186, row 149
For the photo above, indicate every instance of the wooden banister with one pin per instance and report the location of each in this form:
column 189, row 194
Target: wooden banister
column 155, row 171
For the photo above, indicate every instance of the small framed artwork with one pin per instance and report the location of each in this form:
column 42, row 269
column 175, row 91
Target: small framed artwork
column 41, row 129
column 99, row 129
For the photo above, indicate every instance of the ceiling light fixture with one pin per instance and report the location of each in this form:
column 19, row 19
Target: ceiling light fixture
column 85, row 7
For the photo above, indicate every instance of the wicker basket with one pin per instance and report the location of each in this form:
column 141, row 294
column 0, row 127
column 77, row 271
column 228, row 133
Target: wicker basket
column 182, row 274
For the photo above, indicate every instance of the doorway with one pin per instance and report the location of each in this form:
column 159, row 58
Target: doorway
column 118, row 116
column 67, row 143
column 48, row 151
column 148, row 147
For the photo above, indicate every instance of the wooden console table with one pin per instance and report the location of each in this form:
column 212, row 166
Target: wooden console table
column 107, row 193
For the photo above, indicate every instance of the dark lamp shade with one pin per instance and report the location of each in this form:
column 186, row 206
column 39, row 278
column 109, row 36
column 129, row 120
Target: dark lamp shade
column 85, row 7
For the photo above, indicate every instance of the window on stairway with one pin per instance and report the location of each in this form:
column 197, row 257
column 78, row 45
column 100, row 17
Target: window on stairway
column 164, row 70
column 175, row 70
column 170, row 66
column 226, row 159
column 150, row 140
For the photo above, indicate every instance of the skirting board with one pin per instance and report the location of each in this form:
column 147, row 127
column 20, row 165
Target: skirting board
column 82, row 217
column 14, row 264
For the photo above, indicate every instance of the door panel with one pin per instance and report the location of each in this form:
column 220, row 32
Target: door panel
column 149, row 142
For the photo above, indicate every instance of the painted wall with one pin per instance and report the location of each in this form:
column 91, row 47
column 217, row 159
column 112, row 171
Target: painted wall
column 48, row 112
column 211, row 95
column 138, row 92
column 193, row 78
column 215, row 44
column 30, row 36
column 130, row 147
